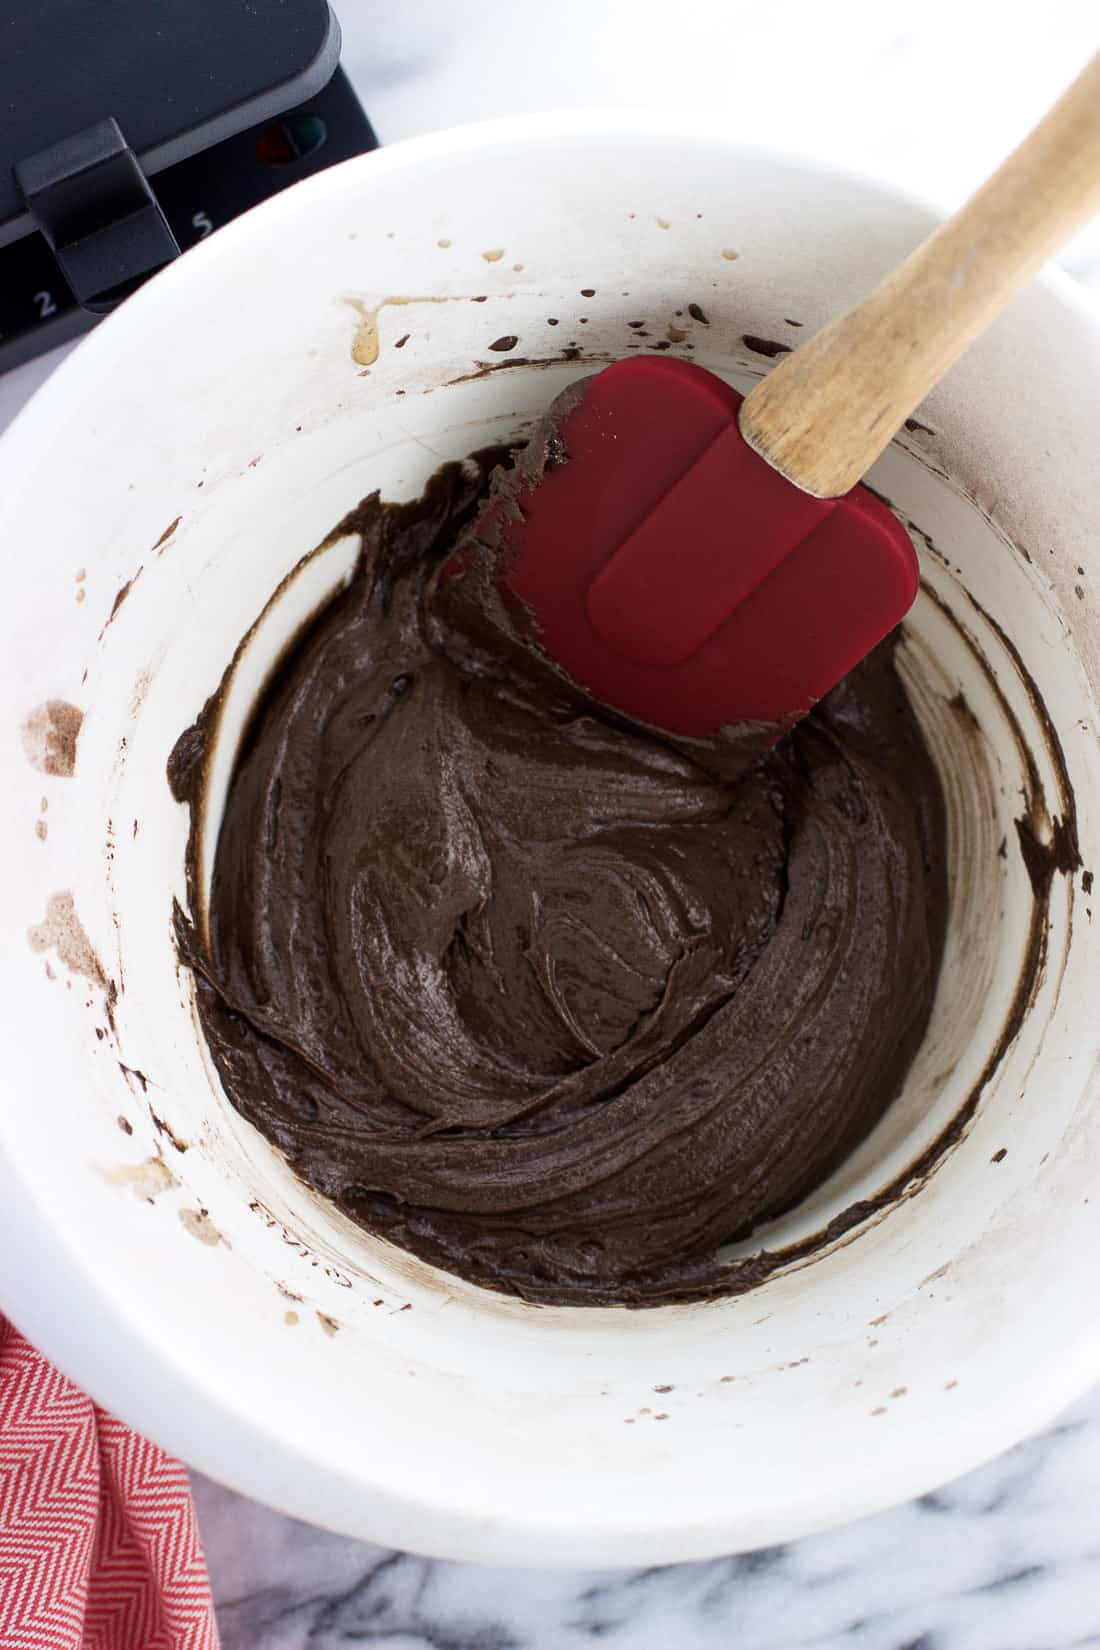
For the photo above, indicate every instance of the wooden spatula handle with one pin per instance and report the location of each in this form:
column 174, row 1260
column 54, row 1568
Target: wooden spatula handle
column 826, row 412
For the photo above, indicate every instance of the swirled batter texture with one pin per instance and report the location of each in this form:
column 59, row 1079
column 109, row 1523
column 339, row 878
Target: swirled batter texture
column 556, row 1002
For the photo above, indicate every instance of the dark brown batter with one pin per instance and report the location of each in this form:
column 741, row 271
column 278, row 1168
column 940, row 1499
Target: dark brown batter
column 554, row 1001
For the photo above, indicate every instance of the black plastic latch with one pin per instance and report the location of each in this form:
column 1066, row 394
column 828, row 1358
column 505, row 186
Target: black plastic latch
column 92, row 201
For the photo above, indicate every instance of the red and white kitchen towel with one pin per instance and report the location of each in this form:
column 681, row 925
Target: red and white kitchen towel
column 99, row 1545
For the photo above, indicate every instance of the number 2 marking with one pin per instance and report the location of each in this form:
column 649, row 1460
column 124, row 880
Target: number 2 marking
column 46, row 305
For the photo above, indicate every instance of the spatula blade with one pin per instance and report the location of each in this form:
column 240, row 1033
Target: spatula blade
column 679, row 578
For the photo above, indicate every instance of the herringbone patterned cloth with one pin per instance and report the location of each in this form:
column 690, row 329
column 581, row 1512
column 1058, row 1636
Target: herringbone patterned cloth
column 99, row 1547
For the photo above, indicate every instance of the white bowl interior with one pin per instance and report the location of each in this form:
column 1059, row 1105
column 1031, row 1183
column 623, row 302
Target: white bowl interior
column 210, row 1297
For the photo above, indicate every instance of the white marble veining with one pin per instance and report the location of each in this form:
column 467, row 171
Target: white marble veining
column 1008, row 1558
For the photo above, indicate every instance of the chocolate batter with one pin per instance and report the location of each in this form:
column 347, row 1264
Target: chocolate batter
column 555, row 1001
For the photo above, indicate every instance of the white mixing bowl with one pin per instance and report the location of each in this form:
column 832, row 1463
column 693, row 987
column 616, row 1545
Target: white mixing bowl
column 152, row 498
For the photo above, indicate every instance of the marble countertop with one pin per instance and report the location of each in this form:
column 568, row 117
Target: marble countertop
column 1007, row 1558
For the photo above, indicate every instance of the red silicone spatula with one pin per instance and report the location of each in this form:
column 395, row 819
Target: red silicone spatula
column 701, row 559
